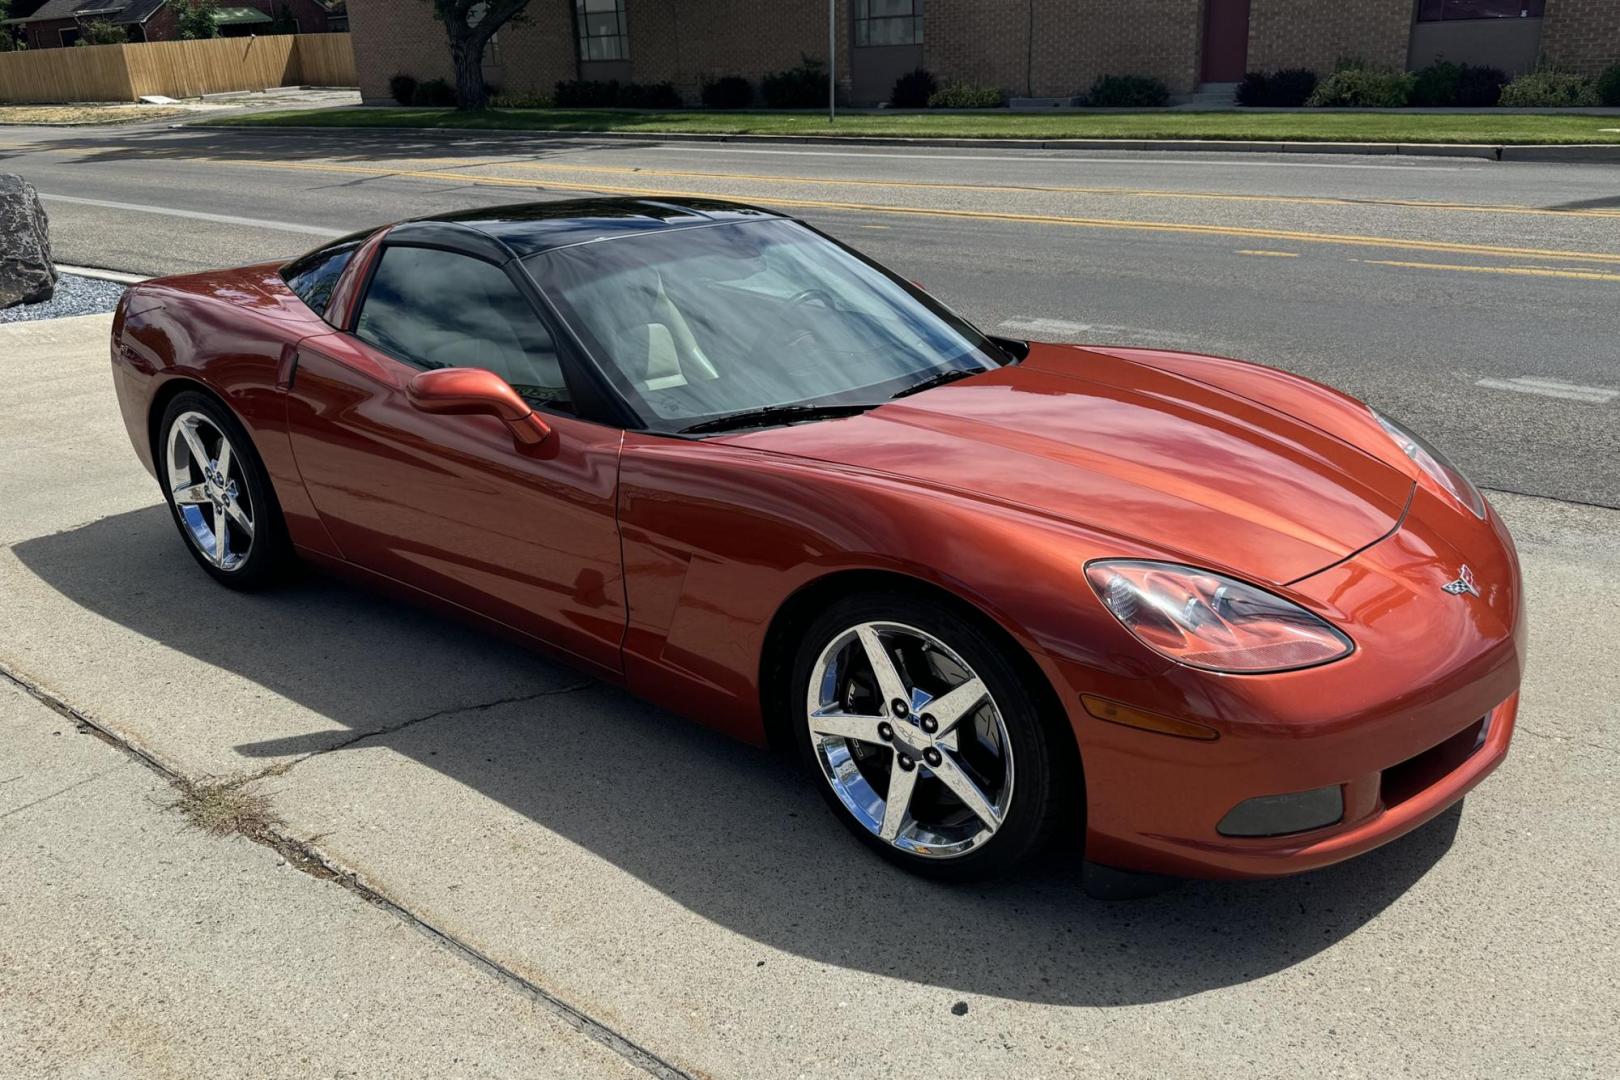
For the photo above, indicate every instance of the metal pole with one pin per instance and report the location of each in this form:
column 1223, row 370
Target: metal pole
column 832, row 60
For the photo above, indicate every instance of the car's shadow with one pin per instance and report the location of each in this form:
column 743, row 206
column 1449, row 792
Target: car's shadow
column 729, row 832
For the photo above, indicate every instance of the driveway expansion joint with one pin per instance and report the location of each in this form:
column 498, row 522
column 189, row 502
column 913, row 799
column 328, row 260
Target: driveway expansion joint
column 301, row 854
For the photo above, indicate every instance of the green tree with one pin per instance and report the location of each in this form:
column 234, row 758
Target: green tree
column 102, row 32
column 469, row 24
column 11, row 37
column 195, row 19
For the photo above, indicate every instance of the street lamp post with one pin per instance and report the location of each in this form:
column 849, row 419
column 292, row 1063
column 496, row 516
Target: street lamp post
column 832, row 60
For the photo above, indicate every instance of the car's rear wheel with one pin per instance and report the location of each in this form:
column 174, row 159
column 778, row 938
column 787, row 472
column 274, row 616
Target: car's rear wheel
column 219, row 493
column 924, row 738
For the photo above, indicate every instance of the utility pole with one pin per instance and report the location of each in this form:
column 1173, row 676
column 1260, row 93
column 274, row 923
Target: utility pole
column 832, row 60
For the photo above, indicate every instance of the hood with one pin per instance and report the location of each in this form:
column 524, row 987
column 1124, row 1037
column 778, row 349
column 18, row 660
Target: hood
column 1200, row 473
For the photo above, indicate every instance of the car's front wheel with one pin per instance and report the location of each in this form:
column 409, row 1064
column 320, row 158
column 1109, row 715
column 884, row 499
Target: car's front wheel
column 926, row 741
column 219, row 493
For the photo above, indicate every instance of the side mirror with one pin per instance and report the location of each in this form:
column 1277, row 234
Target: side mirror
column 466, row 391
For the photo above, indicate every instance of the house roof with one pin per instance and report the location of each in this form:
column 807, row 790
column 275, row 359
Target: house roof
column 117, row 12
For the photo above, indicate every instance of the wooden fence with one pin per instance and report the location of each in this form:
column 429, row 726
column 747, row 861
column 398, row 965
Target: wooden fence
column 177, row 68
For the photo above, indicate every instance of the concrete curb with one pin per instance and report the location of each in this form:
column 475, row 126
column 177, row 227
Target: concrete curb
column 101, row 275
column 1581, row 152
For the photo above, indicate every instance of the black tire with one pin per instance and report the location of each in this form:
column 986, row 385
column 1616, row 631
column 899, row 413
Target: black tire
column 1045, row 793
column 269, row 552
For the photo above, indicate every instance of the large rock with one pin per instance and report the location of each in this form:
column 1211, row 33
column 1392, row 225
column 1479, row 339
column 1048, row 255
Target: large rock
column 27, row 275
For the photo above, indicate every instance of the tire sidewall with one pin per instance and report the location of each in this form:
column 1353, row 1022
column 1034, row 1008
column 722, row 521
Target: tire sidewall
column 1028, row 823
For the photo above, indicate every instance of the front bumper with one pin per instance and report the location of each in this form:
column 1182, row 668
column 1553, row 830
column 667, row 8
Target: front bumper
column 1396, row 726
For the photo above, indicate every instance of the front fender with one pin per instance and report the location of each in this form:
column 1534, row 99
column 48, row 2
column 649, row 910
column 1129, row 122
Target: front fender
column 717, row 538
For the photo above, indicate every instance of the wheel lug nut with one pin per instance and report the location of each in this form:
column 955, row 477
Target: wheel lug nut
column 900, row 709
column 905, row 763
column 932, row 756
column 929, row 724
column 885, row 732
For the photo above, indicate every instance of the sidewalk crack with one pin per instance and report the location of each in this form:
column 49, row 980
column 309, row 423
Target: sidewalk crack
column 62, row 791
column 283, row 767
column 303, row 854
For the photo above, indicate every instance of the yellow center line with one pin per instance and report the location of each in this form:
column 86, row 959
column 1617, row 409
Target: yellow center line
column 1521, row 271
column 1494, row 251
column 1038, row 189
column 958, row 214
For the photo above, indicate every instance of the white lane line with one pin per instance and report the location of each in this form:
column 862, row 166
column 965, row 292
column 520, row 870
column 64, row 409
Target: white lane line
column 1043, row 156
column 1553, row 388
column 1063, row 328
column 196, row 215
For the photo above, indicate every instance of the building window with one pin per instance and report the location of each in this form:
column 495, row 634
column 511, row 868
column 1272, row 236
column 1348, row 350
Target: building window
column 602, row 34
column 69, row 37
column 1441, row 10
column 888, row 22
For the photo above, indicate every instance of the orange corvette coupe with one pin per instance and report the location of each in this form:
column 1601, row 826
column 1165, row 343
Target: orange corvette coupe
column 1203, row 617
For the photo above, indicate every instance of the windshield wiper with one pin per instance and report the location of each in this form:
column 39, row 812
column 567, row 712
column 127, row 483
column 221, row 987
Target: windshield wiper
column 937, row 380
column 772, row 414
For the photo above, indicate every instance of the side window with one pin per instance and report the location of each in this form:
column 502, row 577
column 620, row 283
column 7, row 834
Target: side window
column 315, row 276
column 438, row 309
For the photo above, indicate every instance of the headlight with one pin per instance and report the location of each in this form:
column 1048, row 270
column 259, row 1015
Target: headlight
column 1210, row 621
column 1433, row 462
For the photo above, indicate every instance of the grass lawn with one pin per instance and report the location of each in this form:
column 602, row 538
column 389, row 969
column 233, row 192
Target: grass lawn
column 1291, row 126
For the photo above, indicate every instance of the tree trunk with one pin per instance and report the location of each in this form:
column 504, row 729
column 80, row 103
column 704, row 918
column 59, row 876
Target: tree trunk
column 467, row 54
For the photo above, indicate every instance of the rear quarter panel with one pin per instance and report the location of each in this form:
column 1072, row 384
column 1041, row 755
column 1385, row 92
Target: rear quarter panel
column 232, row 332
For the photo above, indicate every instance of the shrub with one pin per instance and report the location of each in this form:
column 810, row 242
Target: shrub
column 1436, row 85
column 1608, row 85
column 519, row 101
column 803, row 87
column 1480, row 86
column 1287, row 89
column 613, row 94
column 1127, row 92
column 102, row 32
column 661, row 95
column 403, row 88
column 586, row 94
column 1443, row 84
column 965, row 96
column 1549, row 89
column 434, row 94
column 1362, row 87
column 913, row 89
column 728, row 92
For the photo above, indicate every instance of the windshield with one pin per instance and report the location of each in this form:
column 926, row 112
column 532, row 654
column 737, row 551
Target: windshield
column 702, row 323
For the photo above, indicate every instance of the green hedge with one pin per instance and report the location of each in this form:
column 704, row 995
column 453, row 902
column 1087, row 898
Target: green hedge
column 1550, row 89
column 964, row 95
column 1363, row 87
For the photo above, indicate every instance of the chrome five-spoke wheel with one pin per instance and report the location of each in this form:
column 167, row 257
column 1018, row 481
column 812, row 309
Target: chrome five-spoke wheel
column 910, row 739
column 210, row 491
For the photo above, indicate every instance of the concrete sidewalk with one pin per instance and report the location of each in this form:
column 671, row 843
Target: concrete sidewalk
column 137, row 946
column 693, row 895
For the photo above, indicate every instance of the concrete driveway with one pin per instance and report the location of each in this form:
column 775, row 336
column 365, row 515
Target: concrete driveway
column 693, row 899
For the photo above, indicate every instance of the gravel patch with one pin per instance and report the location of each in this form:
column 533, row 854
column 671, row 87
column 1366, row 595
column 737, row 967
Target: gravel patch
column 74, row 296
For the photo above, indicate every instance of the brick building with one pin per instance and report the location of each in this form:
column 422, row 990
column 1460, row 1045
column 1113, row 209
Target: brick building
column 58, row 23
column 1038, row 48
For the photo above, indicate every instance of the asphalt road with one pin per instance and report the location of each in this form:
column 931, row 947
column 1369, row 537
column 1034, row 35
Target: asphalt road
column 1477, row 301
